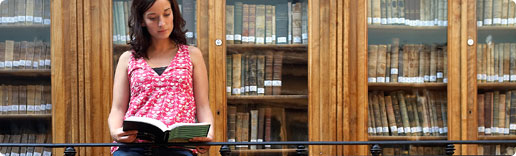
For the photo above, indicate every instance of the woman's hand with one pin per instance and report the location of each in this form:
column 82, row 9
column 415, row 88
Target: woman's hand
column 202, row 149
column 119, row 135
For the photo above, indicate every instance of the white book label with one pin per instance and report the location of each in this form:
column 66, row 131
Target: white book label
column 371, row 79
column 238, row 37
column 261, row 91
column 276, row 83
column 394, row 71
column 481, row 129
column 236, row 91
column 228, row 90
column 252, row 88
column 380, row 79
column 230, row 37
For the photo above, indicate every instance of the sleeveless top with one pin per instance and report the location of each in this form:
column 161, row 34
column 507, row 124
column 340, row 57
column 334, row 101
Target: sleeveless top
column 167, row 97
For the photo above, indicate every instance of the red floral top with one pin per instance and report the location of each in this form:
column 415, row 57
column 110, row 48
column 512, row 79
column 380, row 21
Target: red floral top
column 167, row 97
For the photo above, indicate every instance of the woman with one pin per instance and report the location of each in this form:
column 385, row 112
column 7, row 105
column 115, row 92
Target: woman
column 161, row 78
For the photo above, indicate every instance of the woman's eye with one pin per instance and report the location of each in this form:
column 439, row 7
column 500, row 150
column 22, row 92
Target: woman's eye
column 167, row 15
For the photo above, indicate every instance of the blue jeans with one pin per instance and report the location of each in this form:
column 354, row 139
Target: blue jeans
column 159, row 151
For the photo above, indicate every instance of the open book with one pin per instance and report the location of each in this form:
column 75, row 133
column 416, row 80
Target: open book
column 155, row 130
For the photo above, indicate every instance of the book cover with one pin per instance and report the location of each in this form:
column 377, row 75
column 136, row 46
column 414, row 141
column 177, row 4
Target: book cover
column 232, row 113
column 245, row 24
column 155, row 130
column 372, row 52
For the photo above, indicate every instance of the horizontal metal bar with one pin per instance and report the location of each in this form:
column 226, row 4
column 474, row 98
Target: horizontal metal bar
column 425, row 142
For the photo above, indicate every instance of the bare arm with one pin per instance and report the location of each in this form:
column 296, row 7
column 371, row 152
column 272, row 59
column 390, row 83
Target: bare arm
column 120, row 102
column 200, row 81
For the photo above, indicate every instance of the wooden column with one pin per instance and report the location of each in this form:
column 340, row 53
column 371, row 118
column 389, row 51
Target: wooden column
column 95, row 73
column 326, row 78
column 64, row 40
column 454, row 70
column 469, row 113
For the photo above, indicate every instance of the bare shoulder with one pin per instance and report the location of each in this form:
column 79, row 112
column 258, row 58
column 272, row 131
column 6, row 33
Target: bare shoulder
column 124, row 58
column 195, row 53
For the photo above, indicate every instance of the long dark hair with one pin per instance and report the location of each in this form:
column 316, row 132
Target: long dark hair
column 140, row 38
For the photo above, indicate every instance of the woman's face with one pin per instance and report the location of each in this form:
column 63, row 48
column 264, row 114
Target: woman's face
column 159, row 19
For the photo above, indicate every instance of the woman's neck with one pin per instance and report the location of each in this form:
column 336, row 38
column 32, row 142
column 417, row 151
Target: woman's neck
column 159, row 46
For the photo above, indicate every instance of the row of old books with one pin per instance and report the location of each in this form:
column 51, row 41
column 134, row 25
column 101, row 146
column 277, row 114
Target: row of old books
column 25, row 99
column 496, row 13
column 496, row 150
column 254, row 125
column 24, row 138
column 409, row 63
column 496, row 62
column 497, row 113
column 267, row 23
column 24, row 12
column 421, row 113
column 252, row 74
column 413, row 150
column 24, row 55
column 121, row 13
column 408, row 12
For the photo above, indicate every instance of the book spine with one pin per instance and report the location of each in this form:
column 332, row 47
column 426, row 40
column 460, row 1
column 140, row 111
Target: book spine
column 480, row 104
column 229, row 75
column 238, row 22
column 488, row 12
column 282, row 23
column 245, row 24
column 269, row 66
column 237, row 71
column 268, row 24
column 252, row 64
column 276, row 75
column 304, row 22
column 371, row 62
column 260, row 24
column 189, row 17
column 512, row 126
column 230, row 24
column 381, row 63
column 260, row 75
column 297, row 23
column 254, row 128
column 391, row 117
column 251, row 39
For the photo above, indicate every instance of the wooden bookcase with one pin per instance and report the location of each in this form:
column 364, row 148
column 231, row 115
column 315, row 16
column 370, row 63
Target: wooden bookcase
column 25, row 75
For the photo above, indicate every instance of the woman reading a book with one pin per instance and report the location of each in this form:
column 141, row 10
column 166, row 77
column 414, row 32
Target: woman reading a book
column 160, row 78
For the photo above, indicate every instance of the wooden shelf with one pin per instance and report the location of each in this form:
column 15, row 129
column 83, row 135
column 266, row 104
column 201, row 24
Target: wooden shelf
column 383, row 34
column 264, row 151
column 497, row 86
column 406, row 138
column 405, row 86
column 26, row 72
column 497, row 28
column 498, row 137
column 406, row 27
column 287, row 101
column 31, row 26
column 24, row 116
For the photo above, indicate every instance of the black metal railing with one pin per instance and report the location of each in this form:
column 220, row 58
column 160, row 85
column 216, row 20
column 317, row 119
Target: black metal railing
column 301, row 150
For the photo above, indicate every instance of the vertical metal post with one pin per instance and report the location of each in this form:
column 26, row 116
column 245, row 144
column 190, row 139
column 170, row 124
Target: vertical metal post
column 301, row 150
column 69, row 151
column 225, row 150
column 450, row 149
column 376, row 150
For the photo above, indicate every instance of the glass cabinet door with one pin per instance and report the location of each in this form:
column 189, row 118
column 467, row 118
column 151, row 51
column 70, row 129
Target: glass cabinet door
column 407, row 73
column 266, row 73
column 25, row 89
column 496, row 74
